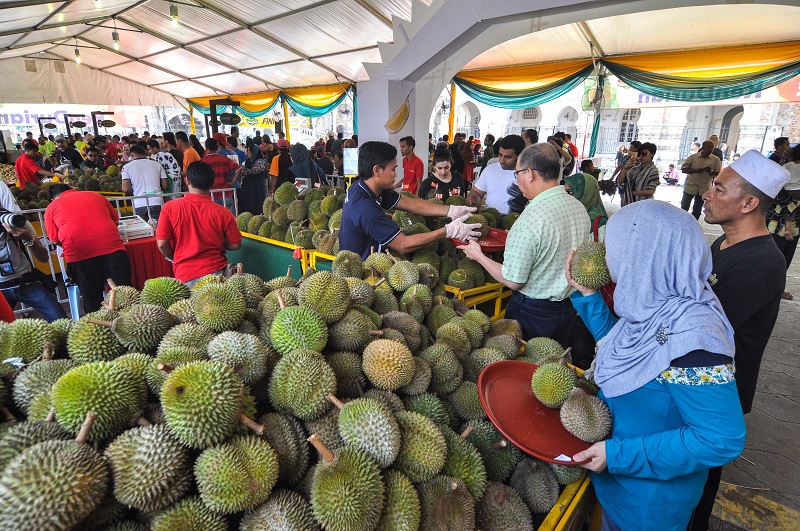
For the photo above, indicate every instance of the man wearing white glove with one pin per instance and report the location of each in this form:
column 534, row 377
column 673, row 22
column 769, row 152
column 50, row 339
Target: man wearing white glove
column 365, row 225
column 538, row 244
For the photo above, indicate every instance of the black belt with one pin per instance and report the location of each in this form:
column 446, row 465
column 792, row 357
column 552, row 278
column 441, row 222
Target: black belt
column 524, row 297
column 27, row 278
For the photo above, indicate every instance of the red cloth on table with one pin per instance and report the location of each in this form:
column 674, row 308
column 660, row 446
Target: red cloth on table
column 146, row 261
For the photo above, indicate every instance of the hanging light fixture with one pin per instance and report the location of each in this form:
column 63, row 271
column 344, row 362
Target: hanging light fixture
column 173, row 12
column 77, row 53
column 115, row 36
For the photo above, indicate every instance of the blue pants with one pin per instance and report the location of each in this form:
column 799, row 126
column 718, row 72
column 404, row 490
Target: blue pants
column 557, row 320
column 227, row 202
column 155, row 211
column 37, row 297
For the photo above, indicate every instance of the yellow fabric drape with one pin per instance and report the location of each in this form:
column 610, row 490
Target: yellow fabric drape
column 319, row 96
column 524, row 77
column 286, row 128
column 451, row 119
column 714, row 63
column 249, row 102
column 191, row 120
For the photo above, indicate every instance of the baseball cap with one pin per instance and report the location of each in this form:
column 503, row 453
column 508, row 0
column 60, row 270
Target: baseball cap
column 60, row 138
column 283, row 143
column 222, row 138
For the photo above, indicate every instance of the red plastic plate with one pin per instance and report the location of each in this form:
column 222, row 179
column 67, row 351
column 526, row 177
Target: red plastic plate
column 494, row 241
column 504, row 388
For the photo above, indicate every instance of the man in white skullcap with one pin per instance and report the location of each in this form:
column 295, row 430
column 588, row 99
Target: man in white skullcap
column 748, row 276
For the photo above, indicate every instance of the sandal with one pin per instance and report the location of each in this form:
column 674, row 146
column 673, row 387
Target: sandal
column 787, row 296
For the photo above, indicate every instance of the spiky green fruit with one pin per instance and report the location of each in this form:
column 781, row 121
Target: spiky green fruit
column 439, row 315
column 586, row 417
column 543, row 349
column 248, row 356
column 151, row 468
column 187, row 335
column 300, row 384
column 508, row 327
column 501, row 508
column 219, row 307
column 368, row 424
column 566, row 474
column 22, row 435
column 142, row 326
column 327, row 428
column 508, row 346
column 536, row 484
column 589, row 265
column 32, row 386
column 461, row 279
column 242, row 221
column 455, row 337
column 189, row 513
column 88, row 342
column 420, row 381
column 137, row 362
column 466, row 402
column 478, row 360
column 26, row 338
column 286, row 436
column 202, row 402
column 402, row 275
column 347, row 492
column 402, row 511
column 472, row 329
column 465, row 463
column 284, row 510
column 499, row 455
column 168, row 359
column 552, row 384
column 423, row 449
column 285, row 194
column 326, row 293
column 335, row 223
column 255, row 223
column 475, row 269
column 391, row 400
column 351, row 332
column 124, row 296
column 163, row 291
column 298, row 327
column 446, row 371
column 248, row 284
column 380, row 261
column 387, row 364
column 237, row 475
column 52, row 485
column 446, row 504
column 112, row 391
column 183, row 311
column 385, row 302
column 430, row 406
column 361, row 292
column 406, row 325
column 347, row 264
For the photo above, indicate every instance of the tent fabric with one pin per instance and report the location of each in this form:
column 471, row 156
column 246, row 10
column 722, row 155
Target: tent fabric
column 310, row 102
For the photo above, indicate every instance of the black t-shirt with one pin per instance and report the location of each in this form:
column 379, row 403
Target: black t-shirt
column 70, row 155
column 432, row 187
column 749, row 279
column 458, row 158
column 178, row 156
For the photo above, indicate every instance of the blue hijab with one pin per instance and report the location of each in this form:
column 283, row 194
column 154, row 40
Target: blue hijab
column 661, row 262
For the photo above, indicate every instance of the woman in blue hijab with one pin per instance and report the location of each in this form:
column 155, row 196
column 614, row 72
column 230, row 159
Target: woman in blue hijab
column 665, row 369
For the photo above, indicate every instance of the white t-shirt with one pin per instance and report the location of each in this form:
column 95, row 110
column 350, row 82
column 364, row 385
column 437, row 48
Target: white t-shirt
column 794, row 176
column 494, row 180
column 145, row 176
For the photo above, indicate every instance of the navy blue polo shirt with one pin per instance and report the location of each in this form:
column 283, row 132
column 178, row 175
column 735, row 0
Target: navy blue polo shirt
column 364, row 224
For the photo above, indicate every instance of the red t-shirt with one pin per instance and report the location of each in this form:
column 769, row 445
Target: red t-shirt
column 412, row 170
column 84, row 223
column 26, row 170
column 197, row 228
column 111, row 152
column 222, row 166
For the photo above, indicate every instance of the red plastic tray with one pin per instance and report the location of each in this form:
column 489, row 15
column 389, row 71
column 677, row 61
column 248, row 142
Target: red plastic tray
column 494, row 241
column 504, row 388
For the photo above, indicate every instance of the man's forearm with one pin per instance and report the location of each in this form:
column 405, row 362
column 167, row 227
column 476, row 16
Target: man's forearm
column 165, row 248
column 422, row 207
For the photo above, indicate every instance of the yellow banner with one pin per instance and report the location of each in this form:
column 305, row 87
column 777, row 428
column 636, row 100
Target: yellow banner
column 524, row 77
column 319, row 96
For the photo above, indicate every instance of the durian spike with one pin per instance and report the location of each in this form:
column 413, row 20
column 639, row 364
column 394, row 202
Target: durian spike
column 86, row 427
column 390, row 256
column 499, row 445
column 239, row 268
column 256, row 295
column 376, row 333
column 254, row 426
column 281, row 302
column 335, row 401
column 165, row 367
column 143, row 422
column 47, row 354
column 326, row 454
column 7, row 415
column 466, row 433
column 107, row 324
column 111, row 283
column 51, row 415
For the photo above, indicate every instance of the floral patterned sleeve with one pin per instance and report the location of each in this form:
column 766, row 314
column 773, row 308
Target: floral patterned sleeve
column 258, row 166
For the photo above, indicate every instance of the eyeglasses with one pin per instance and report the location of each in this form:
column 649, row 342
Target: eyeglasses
column 643, row 153
column 517, row 172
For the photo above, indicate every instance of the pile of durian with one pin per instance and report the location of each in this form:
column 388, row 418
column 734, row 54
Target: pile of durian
column 174, row 409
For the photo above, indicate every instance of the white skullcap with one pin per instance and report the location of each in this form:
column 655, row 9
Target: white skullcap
column 766, row 175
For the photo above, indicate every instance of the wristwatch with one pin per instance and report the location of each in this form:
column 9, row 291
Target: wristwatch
column 29, row 243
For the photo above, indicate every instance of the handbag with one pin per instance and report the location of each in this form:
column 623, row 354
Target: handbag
column 607, row 291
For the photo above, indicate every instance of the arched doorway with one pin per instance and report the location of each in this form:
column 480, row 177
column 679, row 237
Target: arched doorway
column 729, row 131
column 468, row 119
column 567, row 117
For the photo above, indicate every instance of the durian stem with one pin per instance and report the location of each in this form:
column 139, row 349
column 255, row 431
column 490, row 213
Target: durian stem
column 47, row 355
column 326, row 454
column 111, row 305
column 111, row 283
column 378, row 283
column 499, row 445
column 376, row 333
column 390, row 256
column 51, row 415
column 256, row 295
column 466, row 433
column 335, row 401
column 520, row 340
column 7, row 415
column 454, row 486
column 289, row 271
column 281, row 302
column 220, row 279
column 141, row 421
column 107, row 324
column 371, row 249
column 500, row 498
column 254, row 426
column 86, row 427
column 239, row 268
column 566, row 353
column 165, row 367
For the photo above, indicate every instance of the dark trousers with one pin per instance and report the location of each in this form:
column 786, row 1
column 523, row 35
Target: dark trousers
column 154, row 212
column 90, row 275
column 698, row 204
column 701, row 513
column 37, row 297
column 554, row 319
column 786, row 247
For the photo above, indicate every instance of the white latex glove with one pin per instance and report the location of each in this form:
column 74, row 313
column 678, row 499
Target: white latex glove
column 462, row 231
column 455, row 211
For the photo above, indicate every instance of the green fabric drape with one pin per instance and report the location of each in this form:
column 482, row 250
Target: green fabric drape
column 601, row 85
column 313, row 112
column 355, row 110
column 224, row 108
column 699, row 88
column 521, row 99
